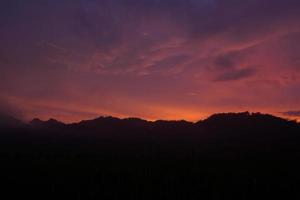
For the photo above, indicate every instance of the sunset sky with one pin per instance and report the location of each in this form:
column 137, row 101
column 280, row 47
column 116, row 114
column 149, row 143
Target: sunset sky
column 154, row 59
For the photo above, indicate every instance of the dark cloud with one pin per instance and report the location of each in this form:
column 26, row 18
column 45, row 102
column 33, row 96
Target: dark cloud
column 224, row 62
column 236, row 74
column 292, row 113
column 227, row 61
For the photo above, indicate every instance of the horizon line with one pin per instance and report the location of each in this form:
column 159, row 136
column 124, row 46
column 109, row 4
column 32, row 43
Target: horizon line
column 172, row 120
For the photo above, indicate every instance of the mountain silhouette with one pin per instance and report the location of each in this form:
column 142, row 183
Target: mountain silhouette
column 233, row 155
column 220, row 120
column 49, row 123
column 222, row 125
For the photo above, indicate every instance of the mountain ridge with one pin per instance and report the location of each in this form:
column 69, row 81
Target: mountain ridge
column 228, row 115
column 221, row 127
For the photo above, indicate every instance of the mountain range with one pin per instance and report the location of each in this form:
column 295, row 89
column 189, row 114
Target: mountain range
column 237, row 155
column 238, row 131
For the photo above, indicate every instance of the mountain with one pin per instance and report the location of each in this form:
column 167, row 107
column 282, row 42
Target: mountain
column 220, row 120
column 228, row 124
column 247, row 124
column 223, row 133
column 243, row 155
column 51, row 123
column 237, row 130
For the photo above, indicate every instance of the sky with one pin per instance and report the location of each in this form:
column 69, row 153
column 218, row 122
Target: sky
column 154, row 59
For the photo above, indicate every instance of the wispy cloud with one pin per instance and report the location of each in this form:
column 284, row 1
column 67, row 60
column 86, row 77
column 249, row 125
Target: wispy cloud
column 295, row 113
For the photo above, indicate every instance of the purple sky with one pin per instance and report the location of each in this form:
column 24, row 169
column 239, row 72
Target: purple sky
column 154, row 59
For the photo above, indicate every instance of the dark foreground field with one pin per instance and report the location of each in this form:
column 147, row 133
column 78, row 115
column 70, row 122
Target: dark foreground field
column 240, row 156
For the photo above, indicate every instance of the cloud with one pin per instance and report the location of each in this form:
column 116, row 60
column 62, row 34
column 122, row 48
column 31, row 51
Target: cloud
column 7, row 109
column 169, row 64
column 227, row 60
column 236, row 74
column 224, row 62
column 292, row 113
column 151, row 51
